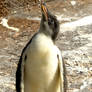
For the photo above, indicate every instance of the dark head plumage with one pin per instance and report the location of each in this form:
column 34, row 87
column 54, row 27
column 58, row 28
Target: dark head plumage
column 49, row 22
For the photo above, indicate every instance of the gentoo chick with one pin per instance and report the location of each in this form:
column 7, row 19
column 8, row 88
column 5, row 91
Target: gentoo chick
column 40, row 68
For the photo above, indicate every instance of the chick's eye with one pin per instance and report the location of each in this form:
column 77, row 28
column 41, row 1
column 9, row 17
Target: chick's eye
column 50, row 21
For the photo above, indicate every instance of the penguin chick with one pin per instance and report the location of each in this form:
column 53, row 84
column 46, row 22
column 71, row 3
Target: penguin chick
column 40, row 68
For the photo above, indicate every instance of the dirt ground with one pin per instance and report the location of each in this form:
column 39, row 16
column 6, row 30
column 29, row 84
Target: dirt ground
column 74, row 41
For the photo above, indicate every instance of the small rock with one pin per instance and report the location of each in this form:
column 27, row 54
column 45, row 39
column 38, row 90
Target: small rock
column 73, row 3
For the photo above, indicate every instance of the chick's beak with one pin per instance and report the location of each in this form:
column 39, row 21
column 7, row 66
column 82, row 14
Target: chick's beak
column 44, row 10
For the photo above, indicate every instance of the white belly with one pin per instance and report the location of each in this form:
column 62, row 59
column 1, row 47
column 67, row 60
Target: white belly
column 41, row 70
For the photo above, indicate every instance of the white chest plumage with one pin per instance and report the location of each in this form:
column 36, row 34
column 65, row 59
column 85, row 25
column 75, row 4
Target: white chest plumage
column 41, row 67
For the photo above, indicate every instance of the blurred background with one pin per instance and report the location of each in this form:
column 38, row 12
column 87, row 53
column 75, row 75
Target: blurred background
column 20, row 19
